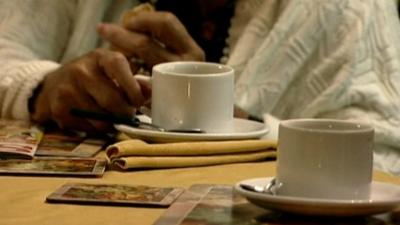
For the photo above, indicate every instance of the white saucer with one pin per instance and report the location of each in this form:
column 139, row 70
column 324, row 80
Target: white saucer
column 243, row 129
column 384, row 198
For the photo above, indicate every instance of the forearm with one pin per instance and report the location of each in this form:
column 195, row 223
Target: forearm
column 22, row 67
column 17, row 83
column 30, row 47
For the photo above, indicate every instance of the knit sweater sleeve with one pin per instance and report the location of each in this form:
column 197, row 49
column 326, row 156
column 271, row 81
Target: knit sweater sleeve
column 325, row 59
column 33, row 35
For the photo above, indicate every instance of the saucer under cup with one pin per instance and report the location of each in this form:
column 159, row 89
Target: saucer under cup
column 384, row 197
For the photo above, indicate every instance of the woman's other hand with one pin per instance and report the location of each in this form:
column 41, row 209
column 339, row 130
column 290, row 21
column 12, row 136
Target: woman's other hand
column 154, row 37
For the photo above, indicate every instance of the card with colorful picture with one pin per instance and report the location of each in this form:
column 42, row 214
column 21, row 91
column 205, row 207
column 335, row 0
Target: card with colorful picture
column 18, row 139
column 69, row 144
column 54, row 166
column 205, row 204
column 118, row 194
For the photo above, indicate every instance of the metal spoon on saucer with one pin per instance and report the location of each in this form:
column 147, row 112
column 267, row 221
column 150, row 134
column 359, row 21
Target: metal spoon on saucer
column 267, row 189
column 151, row 126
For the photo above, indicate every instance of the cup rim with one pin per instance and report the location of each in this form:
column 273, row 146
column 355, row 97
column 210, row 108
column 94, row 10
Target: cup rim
column 225, row 69
column 352, row 126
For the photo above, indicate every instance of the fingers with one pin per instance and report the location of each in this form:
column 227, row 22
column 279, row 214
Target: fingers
column 99, row 81
column 133, row 44
column 85, row 101
column 117, row 67
column 94, row 82
column 154, row 37
column 60, row 111
column 165, row 27
column 121, row 39
column 60, row 102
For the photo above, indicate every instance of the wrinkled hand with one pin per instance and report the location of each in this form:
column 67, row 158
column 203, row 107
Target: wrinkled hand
column 102, row 80
column 154, row 37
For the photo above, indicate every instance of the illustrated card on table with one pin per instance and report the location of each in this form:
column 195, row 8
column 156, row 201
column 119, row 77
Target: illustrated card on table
column 204, row 204
column 69, row 144
column 54, row 166
column 119, row 194
column 18, row 139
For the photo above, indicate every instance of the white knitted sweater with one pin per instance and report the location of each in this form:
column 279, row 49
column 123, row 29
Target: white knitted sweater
column 302, row 58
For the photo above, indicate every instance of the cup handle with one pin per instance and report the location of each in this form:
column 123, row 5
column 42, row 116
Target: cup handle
column 146, row 79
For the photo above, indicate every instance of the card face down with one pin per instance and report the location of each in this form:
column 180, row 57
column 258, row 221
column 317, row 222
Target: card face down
column 115, row 194
column 54, row 166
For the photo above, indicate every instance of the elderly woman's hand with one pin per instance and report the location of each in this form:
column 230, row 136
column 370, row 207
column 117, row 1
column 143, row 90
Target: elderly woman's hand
column 154, row 37
column 101, row 80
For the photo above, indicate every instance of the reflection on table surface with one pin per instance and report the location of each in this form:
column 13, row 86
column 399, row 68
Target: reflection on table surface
column 218, row 204
column 22, row 198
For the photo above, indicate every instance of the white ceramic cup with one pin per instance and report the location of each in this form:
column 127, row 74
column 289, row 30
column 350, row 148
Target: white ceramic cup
column 193, row 95
column 326, row 159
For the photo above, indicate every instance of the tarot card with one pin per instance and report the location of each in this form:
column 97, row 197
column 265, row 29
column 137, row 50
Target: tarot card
column 18, row 139
column 204, row 204
column 208, row 205
column 54, row 166
column 115, row 194
column 69, row 144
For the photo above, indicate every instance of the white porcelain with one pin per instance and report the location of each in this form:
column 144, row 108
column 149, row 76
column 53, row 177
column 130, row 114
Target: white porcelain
column 242, row 129
column 190, row 95
column 384, row 198
column 323, row 158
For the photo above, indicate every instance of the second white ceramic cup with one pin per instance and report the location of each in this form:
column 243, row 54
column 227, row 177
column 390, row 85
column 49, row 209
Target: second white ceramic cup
column 193, row 95
column 326, row 159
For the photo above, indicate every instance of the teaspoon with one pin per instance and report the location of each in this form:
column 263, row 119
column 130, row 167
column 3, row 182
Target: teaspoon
column 267, row 189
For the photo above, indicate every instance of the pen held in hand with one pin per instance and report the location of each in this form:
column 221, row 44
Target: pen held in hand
column 106, row 117
column 127, row 120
